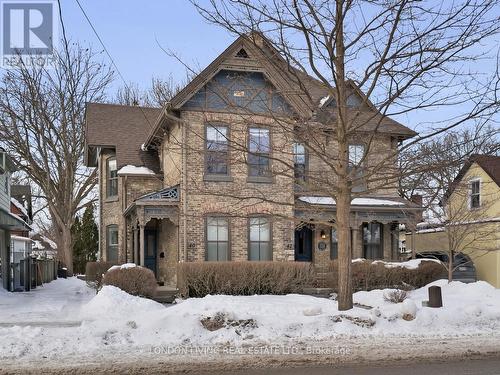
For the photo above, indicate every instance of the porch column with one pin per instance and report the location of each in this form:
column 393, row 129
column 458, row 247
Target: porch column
column 136, row 245
column 386, row 241
column 141, row 245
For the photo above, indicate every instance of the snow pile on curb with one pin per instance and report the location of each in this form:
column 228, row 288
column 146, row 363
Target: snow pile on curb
column 112, row 303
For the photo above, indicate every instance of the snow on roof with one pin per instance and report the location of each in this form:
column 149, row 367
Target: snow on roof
column 323, row 101
column 132, row 169
column 38, row 245
column 18, row 204
column 355, row 202
column 51, row 243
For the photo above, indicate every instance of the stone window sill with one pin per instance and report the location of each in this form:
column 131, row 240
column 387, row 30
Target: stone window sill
column 217, row 178
column 260, row 179
column 111, row 199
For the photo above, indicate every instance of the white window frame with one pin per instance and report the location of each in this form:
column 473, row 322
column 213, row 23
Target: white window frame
column 471, row 181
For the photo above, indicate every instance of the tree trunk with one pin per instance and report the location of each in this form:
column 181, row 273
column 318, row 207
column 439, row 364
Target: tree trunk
column 450, row 266
column 65, row 248
column 344, row 255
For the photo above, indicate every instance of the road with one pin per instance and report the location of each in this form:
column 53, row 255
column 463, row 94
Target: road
column 489, row 366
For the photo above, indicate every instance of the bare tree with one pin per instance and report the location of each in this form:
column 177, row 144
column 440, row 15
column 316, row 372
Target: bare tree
column 400, row 58
column 439, row 161
column 156, row 95
column 42, row 123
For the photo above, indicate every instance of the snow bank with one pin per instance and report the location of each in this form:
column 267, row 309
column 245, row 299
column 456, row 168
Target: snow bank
column 132, row 169
column 113, row 321
column 113, row 303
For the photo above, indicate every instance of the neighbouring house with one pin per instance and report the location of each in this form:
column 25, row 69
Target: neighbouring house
column 472, row 224
column 43, row 247
column 168, row 182
column 9, row 222
column 21, row 243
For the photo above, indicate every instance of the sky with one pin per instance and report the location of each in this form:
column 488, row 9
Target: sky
column 134, row 33
column 132, row 30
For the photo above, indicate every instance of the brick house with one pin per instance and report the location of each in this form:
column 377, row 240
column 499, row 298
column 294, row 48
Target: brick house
column 175, row 185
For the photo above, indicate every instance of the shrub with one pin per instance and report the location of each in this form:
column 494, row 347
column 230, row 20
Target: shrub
column 396, row 296
column 94, row 272
column 368, row 275
column 242, row 278
column 138, row 281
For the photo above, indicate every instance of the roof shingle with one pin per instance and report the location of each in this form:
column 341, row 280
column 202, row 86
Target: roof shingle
column 123, row 128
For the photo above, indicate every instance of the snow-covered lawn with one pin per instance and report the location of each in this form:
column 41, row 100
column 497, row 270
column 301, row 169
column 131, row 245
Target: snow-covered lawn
column 115, row 322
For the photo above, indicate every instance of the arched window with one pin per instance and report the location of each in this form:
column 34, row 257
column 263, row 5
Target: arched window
column 111, row 178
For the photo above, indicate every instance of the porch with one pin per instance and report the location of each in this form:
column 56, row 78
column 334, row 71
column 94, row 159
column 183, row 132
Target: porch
column 152, row 223
column 374, row 227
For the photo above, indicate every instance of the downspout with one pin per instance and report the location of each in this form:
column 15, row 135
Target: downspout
column 184, row 191
column 99, row 219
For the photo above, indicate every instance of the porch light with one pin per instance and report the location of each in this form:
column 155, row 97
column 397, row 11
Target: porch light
column 322, row 234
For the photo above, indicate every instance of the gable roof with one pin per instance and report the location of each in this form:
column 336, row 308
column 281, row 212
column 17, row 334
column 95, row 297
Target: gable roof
column 123, row 128
column 490, row 164
column 303, row 92
column 262, row 57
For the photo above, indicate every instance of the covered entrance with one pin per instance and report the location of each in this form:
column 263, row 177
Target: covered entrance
column 150, row 249
column 303, row 244
column 152, row 233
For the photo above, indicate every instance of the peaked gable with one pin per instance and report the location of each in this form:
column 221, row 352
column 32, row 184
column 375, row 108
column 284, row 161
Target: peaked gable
column 253, row 55
column 490, row 164
column 234, row 90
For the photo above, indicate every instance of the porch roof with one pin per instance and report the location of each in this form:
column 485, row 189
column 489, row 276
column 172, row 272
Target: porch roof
column 160, row 204
column 363, row 209
column 362, row 203
column 10, row 221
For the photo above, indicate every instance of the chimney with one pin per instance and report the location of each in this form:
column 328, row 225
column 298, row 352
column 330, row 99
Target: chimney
column 418, row 200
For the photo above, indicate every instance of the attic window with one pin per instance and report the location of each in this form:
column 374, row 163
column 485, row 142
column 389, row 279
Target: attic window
column 242, row 54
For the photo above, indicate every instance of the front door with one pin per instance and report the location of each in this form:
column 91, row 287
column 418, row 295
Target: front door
column 150, row 246
column 303, row 244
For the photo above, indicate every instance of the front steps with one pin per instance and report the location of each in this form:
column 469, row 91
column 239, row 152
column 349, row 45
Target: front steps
column 165, row 294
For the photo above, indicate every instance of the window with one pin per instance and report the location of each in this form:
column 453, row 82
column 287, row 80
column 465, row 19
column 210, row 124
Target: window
column 217, row 239
column 6, row 182
column 112, row 243
column 216, row 161
column 475, row 194
column 299, row 160
column 259, row 148
column 334, row 245
column 260, row 239
column 372, row 241
column 356, row 153
column 112, row 176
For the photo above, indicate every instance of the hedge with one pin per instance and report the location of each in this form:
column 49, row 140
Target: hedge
column 138, row 281
column 368, row 275
column 199, row 279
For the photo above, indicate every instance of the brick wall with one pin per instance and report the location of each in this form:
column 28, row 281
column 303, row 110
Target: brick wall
column 237, row 198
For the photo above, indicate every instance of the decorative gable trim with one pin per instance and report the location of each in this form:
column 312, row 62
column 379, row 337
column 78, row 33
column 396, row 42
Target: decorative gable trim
column 168, row 194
